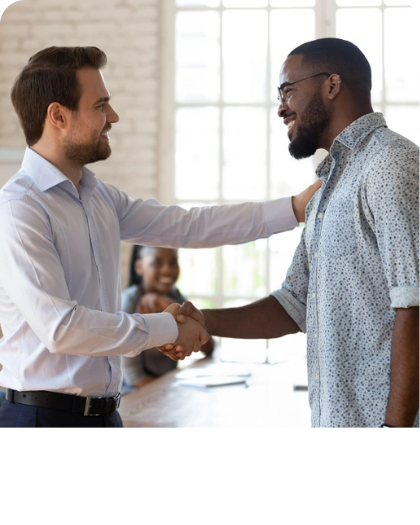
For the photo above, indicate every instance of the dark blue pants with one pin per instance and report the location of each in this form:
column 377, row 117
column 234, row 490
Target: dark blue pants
column 16, row 415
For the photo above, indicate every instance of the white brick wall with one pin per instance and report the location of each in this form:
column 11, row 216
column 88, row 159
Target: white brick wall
column 128, row 32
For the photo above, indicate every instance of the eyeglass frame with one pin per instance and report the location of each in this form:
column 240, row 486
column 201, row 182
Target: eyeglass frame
column 287, row 84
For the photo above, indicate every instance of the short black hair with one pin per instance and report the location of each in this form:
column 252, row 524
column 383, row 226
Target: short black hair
column 134, row 278
column 335, row 55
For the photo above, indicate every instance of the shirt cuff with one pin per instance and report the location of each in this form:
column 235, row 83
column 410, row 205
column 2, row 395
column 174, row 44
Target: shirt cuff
column 293, row 307
column 162, row 329
column 404, row 296
column 279, row 215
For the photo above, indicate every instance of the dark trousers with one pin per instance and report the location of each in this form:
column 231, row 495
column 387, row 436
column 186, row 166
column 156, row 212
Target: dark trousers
column 16, row 415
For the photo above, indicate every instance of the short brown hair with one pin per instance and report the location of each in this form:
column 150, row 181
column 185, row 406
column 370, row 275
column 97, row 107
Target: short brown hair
column 50, row 76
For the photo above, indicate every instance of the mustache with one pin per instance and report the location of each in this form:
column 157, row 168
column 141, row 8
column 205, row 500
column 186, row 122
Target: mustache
column 287, row 115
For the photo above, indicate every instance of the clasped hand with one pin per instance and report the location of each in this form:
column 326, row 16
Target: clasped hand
column 192, row 333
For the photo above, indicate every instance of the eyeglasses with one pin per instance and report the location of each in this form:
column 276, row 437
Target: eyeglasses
column 283, row 95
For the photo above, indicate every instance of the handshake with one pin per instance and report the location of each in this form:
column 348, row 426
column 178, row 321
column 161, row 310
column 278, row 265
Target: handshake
column 192, row 333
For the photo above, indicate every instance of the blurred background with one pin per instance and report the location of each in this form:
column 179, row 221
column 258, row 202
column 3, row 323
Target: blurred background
column 194, row 83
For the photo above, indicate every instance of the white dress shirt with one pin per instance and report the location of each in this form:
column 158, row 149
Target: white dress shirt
column 60, row 296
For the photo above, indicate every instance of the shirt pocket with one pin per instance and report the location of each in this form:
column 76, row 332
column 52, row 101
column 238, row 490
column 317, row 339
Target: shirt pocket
column 338, row 236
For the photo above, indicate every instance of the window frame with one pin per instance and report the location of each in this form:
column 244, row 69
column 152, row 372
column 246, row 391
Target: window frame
column 325, row 26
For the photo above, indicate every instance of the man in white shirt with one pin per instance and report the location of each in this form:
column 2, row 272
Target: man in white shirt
column 60, row 300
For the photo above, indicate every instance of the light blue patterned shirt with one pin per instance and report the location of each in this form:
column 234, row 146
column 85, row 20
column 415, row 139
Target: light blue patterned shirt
column 356, row 262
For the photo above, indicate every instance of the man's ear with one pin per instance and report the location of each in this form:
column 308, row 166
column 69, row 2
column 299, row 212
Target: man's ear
column 138, row 267
column 58, row 115
column 334, row 86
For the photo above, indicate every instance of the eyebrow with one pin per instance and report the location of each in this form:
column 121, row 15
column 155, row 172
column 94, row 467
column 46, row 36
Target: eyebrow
column 100, row 100
column 285, row 84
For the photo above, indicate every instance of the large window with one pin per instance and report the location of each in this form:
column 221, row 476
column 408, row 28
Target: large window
column 226, row 143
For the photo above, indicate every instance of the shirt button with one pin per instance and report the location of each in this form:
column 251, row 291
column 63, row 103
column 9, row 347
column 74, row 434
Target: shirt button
column 320, row 215
column 317, row 377
column 316, row 255
column 315, row 335
column 313, row 295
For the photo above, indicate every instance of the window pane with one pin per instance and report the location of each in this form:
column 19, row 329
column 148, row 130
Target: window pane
column 197, row 56
column 288, row 176
column 401, row 39
column 203, row 303
column 363, row 27
column 244, row 3
column 195, row 3
column 404, row 120
column 244, row 153
column 284, row 37
column 198, row 272
column 244, row 269
column 358, row 3
column 244, row 55
column 197, row 153
column 293, row 3
column 400, row 2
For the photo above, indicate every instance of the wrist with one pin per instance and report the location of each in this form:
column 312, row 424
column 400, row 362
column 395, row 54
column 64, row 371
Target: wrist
column 162, row 329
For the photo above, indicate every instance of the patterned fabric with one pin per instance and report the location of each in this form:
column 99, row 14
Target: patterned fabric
column 356, row 262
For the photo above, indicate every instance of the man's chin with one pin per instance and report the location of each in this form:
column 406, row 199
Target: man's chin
column 104, row 151
column 301, row 150
column 102, row 154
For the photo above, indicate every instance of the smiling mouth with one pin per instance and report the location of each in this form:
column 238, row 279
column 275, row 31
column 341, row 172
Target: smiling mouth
column 166, row 280
column 290, row 125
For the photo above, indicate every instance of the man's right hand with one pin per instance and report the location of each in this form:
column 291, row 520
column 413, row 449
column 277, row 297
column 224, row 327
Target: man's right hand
column 189, row 310
column 190, row 338
column 300, row 201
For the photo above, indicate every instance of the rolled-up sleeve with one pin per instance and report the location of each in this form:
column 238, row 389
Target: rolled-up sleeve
column 293, row 293
column 392, row 192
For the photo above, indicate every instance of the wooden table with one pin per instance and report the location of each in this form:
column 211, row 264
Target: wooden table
column 267, row 401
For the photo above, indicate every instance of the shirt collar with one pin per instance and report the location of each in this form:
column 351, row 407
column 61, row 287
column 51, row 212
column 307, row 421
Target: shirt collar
column 358, row 130
column 350, row 138
column 46, row 175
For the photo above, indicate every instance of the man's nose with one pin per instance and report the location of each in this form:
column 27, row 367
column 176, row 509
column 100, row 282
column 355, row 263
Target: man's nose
column 113, row 116
column 282, row 109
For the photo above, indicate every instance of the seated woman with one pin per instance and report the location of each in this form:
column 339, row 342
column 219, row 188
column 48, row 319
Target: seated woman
column 153, row 274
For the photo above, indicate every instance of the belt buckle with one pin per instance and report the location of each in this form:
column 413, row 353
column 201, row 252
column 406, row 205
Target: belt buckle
column 116, row 405
column 88, row 404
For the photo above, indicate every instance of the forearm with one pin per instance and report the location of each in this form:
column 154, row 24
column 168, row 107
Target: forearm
column 264, row 319
column 403, row 402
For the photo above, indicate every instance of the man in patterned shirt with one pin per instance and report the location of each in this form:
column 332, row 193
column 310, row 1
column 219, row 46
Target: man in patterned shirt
column 353, row 283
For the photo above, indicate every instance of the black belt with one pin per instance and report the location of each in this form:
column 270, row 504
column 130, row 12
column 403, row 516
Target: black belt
column 86, row 406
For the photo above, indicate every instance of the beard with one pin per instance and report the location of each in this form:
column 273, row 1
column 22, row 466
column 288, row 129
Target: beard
column 314, row 122
column 82, row 153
